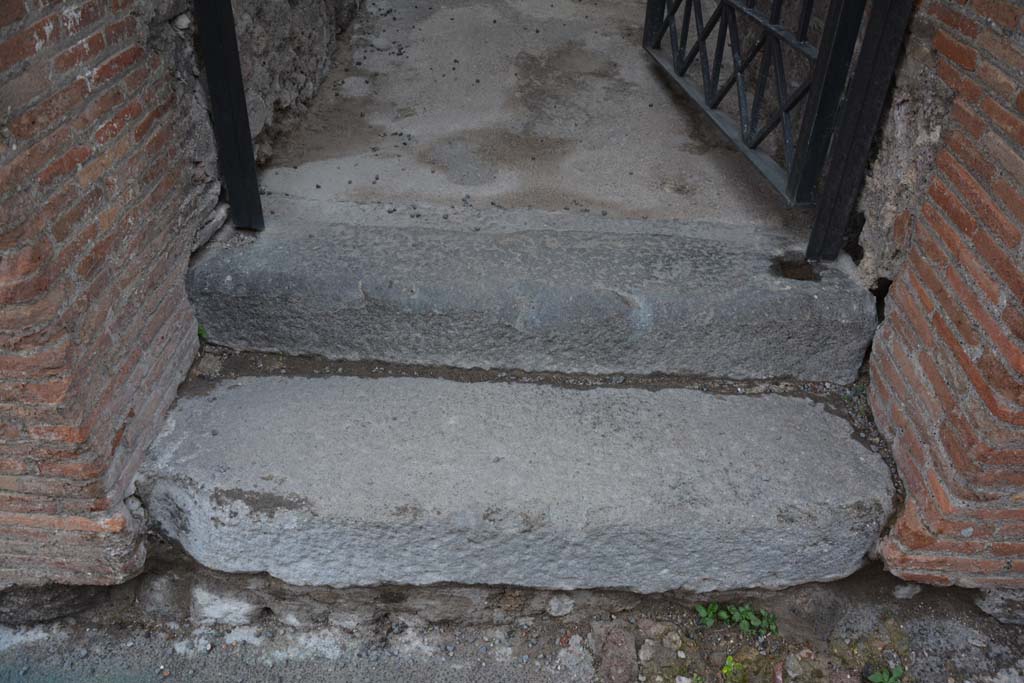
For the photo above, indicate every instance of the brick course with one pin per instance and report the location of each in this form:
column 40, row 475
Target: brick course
column 98, row 207
column 948, row 362
column 108, row 181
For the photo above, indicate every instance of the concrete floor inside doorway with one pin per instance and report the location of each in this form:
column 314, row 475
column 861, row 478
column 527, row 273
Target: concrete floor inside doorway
column 524, row 103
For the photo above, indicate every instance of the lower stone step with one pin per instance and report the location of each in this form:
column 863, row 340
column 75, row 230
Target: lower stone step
column 350, row 482
column 531, row 290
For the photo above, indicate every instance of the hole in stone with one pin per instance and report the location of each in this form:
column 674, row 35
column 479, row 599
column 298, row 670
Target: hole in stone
column 881, row 290
column 793, row 266
column 852, row 244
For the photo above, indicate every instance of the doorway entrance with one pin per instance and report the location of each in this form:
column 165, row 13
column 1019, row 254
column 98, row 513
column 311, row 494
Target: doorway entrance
column 537, row 104
column 536, row 131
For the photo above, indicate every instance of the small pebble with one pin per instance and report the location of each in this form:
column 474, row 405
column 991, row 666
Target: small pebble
column 906, row 591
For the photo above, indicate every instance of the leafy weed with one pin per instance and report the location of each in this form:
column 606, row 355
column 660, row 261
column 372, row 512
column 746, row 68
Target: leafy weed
column 760, row 622
column 893, row 675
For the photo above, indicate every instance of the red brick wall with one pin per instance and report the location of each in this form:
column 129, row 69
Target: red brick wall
column 97, row 207
column 948, row 363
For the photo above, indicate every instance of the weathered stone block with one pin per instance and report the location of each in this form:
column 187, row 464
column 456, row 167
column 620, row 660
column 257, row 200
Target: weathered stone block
column 355, row 482
column 531, row 290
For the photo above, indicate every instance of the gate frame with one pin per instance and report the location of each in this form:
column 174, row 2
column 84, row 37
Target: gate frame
column 831, row 131
column 846, row 146
column 870, row 85
column 218, row 46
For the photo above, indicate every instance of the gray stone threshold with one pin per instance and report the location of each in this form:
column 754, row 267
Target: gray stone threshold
column 533, row 290
column 347, row 481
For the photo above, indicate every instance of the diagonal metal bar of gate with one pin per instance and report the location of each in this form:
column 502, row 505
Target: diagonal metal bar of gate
column 785, row 82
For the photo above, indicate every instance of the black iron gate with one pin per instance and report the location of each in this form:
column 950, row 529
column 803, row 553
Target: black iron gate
column 778, row 91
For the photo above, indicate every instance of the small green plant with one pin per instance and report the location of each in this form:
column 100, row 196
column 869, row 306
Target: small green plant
column 202, row 333
column 708, row 613
column 761, row 622
column 731, row 666
column 893, row 675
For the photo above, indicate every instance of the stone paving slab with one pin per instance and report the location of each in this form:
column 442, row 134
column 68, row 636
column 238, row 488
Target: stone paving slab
column 347, row 482
column 530, row 290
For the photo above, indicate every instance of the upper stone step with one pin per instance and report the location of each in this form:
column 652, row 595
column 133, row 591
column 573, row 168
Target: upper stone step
column 531, row 290
column 349, row 482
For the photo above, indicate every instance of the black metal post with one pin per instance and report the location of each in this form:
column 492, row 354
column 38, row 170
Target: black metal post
column 652, row 22
column 218, row 47
column 839, row 37
column 865, row 100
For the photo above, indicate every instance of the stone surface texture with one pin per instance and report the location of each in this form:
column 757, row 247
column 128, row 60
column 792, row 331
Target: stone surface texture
column 910, row 135
column 530, row 290
column 286, row 48
column 1005, row 605
column 345, row 481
